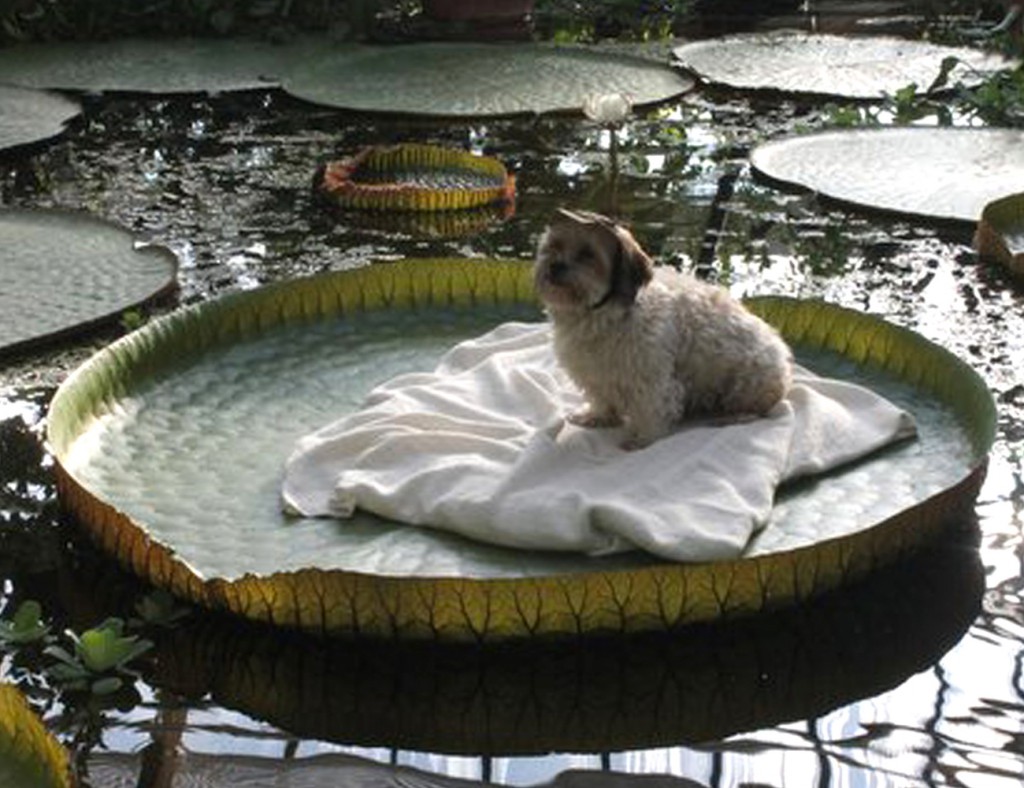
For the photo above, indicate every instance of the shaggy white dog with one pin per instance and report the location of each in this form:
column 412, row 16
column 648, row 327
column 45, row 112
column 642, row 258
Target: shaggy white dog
column 649, row 349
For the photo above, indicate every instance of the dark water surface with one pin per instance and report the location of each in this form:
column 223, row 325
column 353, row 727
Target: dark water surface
column 914, row 678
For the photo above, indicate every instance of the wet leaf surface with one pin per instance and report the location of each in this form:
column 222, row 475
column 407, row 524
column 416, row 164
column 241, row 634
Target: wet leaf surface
column 28, row 116
column 934, row 174
column 861, row 67
column 63, row 273
column 481, row 80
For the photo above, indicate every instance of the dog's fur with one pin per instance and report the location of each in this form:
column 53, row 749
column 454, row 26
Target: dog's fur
column 648, row 349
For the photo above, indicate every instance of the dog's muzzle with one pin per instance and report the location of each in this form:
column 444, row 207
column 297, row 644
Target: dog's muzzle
column 558, row 271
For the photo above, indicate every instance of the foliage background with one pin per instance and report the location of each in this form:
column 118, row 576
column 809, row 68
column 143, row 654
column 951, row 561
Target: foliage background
column 43, row 20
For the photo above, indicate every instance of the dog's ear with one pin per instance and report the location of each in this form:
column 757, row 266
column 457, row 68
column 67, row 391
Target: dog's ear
column 632, row 269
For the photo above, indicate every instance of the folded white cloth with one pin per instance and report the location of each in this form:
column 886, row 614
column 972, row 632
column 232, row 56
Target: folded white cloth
column 480, row 447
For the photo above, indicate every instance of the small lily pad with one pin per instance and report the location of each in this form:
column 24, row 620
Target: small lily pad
column 1000, row 233
column 932, row 173
column 416, row 177
column 861, row 67
column 28, row 116
column 478, row 79
column 63, row 272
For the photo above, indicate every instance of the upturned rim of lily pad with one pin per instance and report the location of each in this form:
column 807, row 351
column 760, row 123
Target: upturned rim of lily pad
column 375, row 179
column 658, row 596
column 524, row 699
column 1000, row 233
column 30, row 755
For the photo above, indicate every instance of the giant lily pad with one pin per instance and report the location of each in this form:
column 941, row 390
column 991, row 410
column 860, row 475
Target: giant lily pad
column 1000, row 233
column 170, row 447
column 64, row 272
column 938, row 174
column 861, row 67
column 28, row 116
column 465, row 80
column 154, row 66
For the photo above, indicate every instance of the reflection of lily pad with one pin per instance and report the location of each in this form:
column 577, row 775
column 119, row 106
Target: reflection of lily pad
column 587, row 696
column 29, row 756
column 170, row 446
column 939, row 174
column 63, row 272
column 477, row 79
column 428, row 224
column 854, row 67
column 1000, row 233
column 28, row 116
column 149, row 66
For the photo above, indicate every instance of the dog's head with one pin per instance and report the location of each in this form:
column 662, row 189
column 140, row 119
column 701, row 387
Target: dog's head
column 586, row 260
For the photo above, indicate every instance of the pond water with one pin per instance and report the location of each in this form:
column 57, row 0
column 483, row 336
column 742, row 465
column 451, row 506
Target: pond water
column 915, row 677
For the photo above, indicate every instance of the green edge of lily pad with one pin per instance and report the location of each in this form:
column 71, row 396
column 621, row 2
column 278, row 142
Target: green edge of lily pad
column 1000, row 233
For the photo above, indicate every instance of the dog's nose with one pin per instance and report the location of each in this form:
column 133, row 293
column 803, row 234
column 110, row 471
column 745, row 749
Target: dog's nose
column 557, row 269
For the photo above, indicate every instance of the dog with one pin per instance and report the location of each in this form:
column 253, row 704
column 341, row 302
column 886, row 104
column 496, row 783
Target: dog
column 649, row 349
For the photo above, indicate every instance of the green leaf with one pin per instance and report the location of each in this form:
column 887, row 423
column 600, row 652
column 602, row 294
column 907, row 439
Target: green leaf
column 25, row 626
column 107, row 685
column 105, row 648
column 161, row 608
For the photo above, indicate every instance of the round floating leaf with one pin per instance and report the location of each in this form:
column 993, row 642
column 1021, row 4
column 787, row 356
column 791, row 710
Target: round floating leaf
column 64, row 272
column 416, row 177
column 154, row 66
column 28, row 116
column 938, row 174
column 854, row 67
column 29, row 756
column 469, row 80
column 170, row 446
column 1000, row 233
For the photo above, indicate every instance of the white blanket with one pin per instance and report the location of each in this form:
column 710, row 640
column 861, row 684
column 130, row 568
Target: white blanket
column 480, row 447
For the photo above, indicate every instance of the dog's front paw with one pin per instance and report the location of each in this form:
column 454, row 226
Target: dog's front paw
column 591, row 419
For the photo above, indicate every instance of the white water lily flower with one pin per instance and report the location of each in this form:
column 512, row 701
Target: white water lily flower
column 608, row 109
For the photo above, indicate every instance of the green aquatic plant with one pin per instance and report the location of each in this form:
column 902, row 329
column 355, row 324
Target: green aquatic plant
column 25, row 626
column 638, row 20
column 99, row 660
column 132, row 319
column 159, row 608
column 995, row 100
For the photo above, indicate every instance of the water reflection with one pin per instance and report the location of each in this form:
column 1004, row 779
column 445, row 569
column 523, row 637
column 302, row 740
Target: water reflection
column 636, row 704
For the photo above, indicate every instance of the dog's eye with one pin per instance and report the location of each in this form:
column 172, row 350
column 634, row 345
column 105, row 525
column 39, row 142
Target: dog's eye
column 585, row 254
